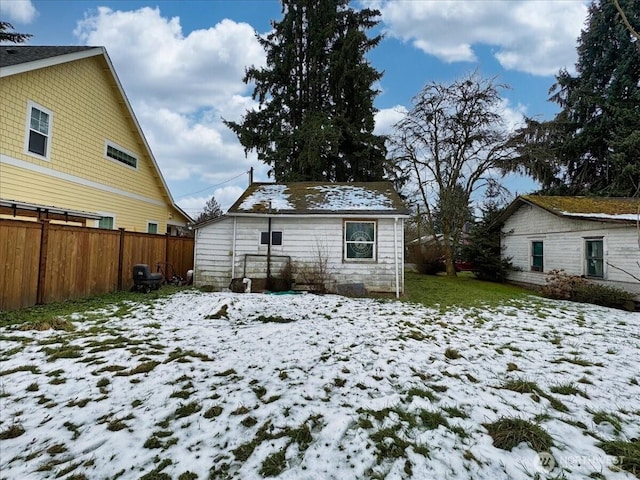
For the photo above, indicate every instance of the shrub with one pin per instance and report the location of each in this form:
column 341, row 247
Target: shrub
column 563, row 286
column 429, row 260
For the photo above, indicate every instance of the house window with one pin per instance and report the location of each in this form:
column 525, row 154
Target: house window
column 537, row 257
column 359, row 240
column 152, row 227
column 106, row 222
column 595, row 258
column 39, row 121
column 116, row 152
column 276, row 238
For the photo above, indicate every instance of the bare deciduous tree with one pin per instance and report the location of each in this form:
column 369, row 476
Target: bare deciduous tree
column 448, row 145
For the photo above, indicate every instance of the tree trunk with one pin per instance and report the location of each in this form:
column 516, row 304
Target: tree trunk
column 448, row 252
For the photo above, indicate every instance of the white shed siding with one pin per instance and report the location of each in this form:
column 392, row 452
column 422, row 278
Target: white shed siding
column 213, row 253
column 564, row 246
column 303, row 239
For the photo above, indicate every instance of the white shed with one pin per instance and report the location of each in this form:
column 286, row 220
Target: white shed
column 597, row 238
column 340, row 235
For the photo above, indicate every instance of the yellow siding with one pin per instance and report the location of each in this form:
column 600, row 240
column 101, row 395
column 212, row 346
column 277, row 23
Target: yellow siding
column 87, row 110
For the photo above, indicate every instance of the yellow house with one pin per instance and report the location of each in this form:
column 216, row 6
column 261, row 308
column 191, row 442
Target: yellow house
column 71, row 149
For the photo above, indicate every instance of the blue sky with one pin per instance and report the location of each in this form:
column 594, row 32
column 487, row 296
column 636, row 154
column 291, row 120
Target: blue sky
column 181, row 64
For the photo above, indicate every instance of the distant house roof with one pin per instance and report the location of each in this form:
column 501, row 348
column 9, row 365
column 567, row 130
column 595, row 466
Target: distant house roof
column 313, row 198
column 601, row 209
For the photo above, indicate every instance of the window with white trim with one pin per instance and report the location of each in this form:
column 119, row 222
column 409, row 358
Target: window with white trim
column 38, row 134
column 594, row 257
column 359, row 240
column 119, row 154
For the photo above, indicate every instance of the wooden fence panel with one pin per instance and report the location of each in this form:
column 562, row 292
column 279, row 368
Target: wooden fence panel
column 80, row 262
column 41, row 262
column 19, row 254
column 180, row 254
column 141, row 248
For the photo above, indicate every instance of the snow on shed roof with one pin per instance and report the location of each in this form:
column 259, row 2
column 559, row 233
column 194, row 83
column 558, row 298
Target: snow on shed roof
column 604, row 209
column 320, row 198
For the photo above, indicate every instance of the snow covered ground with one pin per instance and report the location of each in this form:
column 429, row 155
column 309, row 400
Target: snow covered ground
column 212, row 385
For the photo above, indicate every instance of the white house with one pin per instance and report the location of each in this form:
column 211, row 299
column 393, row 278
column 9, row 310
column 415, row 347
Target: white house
column 338, row 234
column 598, row 238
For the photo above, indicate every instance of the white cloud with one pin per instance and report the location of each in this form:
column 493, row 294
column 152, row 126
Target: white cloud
column 533, row 36
column 21, row 11
column 386, row 118
column 181, row 87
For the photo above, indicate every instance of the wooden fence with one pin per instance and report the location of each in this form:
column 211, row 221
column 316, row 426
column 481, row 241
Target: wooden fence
column 42, row 262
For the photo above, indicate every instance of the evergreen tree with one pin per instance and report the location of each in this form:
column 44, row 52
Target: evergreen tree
column 316, row 115
column 13, row 37
column 592, row 146
column 211, row 210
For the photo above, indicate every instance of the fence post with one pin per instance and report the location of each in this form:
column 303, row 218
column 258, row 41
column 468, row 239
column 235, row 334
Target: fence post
column 42, row 263
column 120, row 258
column 166, row 248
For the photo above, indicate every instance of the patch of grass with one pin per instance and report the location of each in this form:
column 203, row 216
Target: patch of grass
column 24, row 368
column 455, row 412
column 274, row 464
column 226, row 373
column 12, row 431
column 221, row 313
column 432, row 419
column 184, row 410
column 183, row 356
column 274, row 319
column 606, row 417
column 157, row 473
column 49, row 324
column 627, row 453
column 568, row 389
column 512, row 367
column 422, row 393
column 144, row 367
column 452, row 353
column 188, row 476
column 33, row 387
column 62, row 351
column 521, row 386
column 213, row 412
column 248, row 421
column 103, row 382
column 461, row 291
column 508, row 433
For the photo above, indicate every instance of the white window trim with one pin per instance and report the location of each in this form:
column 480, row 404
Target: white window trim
column 585, row 267
column 156, row 223
column 107, row 214
column 109, row 143
column 30, row 105
column 374, row 258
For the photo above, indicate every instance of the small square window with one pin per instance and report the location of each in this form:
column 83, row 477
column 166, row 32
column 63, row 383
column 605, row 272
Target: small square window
column 106, row 222
column 152, row 227
column 276, row 238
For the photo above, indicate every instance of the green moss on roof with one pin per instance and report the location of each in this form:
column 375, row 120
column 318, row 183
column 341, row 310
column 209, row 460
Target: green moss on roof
column 320, row 197
column 585, row 205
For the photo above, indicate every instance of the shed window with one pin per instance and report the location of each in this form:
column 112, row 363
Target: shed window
column 276, row 238
column 38, row 130
column 537, row 257
column 595, row 258
column 359, row 240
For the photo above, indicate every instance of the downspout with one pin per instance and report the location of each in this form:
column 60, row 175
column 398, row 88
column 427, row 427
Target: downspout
column 395, row 250
column 269, row 286
column 233, row 248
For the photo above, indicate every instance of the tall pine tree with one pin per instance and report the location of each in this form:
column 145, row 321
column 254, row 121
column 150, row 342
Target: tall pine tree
column 316, row 115
column 592, row 146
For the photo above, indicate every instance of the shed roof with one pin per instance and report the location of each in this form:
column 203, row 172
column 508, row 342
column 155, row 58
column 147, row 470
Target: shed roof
column 313, row 198
column 601, row 209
